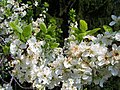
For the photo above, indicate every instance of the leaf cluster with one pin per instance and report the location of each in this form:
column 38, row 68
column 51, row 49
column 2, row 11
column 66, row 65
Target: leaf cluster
column 48, row 34
column 23, row 32
column 83, row 30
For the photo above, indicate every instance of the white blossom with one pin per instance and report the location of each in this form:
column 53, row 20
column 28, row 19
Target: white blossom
column 117, row 36
column 7, row 87
column 36, row 3
column 11, row 2
column 115, row 20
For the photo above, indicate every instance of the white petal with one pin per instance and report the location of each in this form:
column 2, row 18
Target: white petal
column 84, row 65
column 100, row 58
column 66, row 64
column 114, row 47
column 101, row 63
column 118, row 17
column 112, row 23
column 117, row 36
column 23, row 46
column 114, row 17
column 110, row 68
column 58, row 72
column 114, row 72
column 101, row 82
column 85, row 77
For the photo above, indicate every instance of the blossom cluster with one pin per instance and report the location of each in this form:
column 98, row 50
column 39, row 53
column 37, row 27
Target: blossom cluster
column 97, row 57
column 7, row 16
column 92, row 60
column 6, row 87
column 31, row 64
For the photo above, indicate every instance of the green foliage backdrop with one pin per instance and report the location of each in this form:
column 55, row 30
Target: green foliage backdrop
column 95, row 12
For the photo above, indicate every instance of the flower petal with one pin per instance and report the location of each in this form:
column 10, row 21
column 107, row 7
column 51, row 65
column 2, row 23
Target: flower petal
column 112, row 23
column 114, row 17
column 118, row 17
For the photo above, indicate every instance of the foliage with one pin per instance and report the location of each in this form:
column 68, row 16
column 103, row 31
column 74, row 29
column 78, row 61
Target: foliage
column 83, row 30
column 32, row 49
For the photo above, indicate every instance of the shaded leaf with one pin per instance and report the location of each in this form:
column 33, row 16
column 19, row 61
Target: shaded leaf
column 54, row 45
column 48, row 37
column 15, row 27
column 5, row 49
column 43, row 27
column 80, row 36
column 27, row 31
column 51, row 28
column 22, row 38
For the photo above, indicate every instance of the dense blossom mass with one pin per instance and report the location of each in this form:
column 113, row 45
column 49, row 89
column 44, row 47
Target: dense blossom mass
column 92, row 60
column 92, row 55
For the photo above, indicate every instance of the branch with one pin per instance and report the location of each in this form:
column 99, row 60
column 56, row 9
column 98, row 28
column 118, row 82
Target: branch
column 22, row 86
column 13, row 78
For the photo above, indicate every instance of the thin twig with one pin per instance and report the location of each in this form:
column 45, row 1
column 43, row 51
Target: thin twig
column 72, row 4
column 4, row 35
column 21, row 85
column 11, row 80
column 3, row 80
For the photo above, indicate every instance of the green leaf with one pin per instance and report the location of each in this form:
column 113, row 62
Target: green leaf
column 83, row 26
column 8, row 12
column 38, row 36
column 91, row 32
column 18, row 34
column 4, row 2
column 22, row 38
column 15, row 27
column 27, row 31
column 107, row 28
column 85, row 89
column 74, row 28
column 16, row 21
column 51, row 28
column 43, row 27
column 46, row 4
column 54, row 45
column 80, row 36
column 5, row 49
column 29, row 2
column 48, row 37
